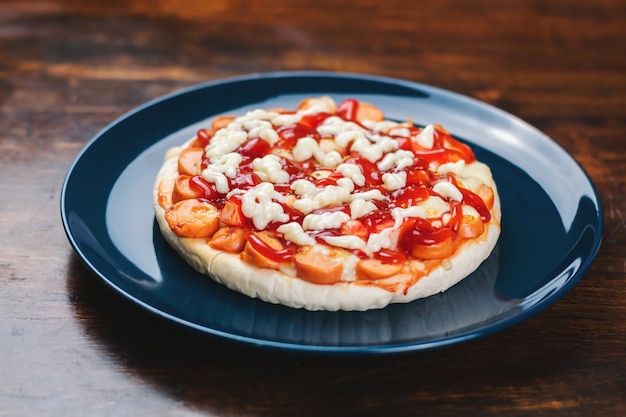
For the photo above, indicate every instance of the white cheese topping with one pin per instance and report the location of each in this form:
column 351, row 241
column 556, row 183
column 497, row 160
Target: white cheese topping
column 253, row 116
column 352, row 171
column 346, row 242
column 217, row 178
column 331, row 159
column 368, row 195
column 399, row 214
column 385, row 239
column 221, row 167
column 308, row 147
column 226, row 164
column 316, row 198
column 434, row 206
column 426, row 138
column 360, row 207
column 384, row 126
column 323, row 221
column 373, row 151
column 350, row 135
column 399, row 159
column 286, row 119
column 331, row 196
column 268, row 135
column 293, row 232
column 225, row 140
column 324, row 104
column 256, row 126
column 343, row 131
column 451, row 167
column 371, row 140
column 400, row 131
column 334, row 195
column 268, row 168
column 304, row 188
column 305, row 205
column 394, row 181
column 448, row 190
column 260, row 204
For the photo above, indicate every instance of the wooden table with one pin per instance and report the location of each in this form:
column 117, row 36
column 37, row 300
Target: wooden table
column 70, row 346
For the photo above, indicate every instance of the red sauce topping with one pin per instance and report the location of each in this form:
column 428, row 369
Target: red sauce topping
column 418, row 188
column 277, row 255
column 348, row 109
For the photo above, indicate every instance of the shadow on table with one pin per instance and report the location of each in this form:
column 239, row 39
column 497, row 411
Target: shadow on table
column 225, row 378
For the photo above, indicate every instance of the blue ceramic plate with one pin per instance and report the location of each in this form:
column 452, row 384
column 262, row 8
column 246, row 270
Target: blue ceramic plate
column 551, row 229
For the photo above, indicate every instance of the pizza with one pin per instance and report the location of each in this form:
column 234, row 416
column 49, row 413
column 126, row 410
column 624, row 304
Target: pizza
column 328, row 206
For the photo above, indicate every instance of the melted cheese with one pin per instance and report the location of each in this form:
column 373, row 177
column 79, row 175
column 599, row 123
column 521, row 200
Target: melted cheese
column 323, row 221
column 260, row 204
column 225, row 141
column 426, row 138
column 449, row 190
column 372, row 140
column 384, row 239
column 384, row 126
column 315, row 198
column 268, row 168
column 368, row 195
column 346, row 242
column 451, row 167
column 400, row 131
column 394, row 181
column 293, row 232
column 217, row 178
column 360, row 207
column 304, row 188
column 308, row 147
column 344, row 132
column 373, row 151
column 353, row 172
column 399, row 159
column 220, row 169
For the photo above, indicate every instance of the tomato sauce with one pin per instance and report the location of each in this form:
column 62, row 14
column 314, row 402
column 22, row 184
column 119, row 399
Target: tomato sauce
column 277, row 255
column 418, row 187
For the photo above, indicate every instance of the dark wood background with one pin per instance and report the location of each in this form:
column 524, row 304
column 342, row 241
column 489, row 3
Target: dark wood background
column 70, row 346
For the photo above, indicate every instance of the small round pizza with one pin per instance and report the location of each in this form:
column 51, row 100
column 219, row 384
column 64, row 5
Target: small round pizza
column 328, row 206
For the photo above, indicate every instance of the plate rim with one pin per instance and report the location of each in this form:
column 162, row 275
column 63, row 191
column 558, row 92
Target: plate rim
column 352, row 349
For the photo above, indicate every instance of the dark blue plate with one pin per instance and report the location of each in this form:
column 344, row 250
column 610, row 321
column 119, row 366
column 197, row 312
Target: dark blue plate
column 551, row 230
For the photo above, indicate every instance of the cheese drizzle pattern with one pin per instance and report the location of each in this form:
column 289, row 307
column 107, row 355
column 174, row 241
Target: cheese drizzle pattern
column 320, row 176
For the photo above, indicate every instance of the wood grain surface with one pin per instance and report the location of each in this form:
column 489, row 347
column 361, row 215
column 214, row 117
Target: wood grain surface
column 71, row 346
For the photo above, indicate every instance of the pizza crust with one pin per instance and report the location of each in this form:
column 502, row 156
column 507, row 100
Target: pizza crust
column 276, row 287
